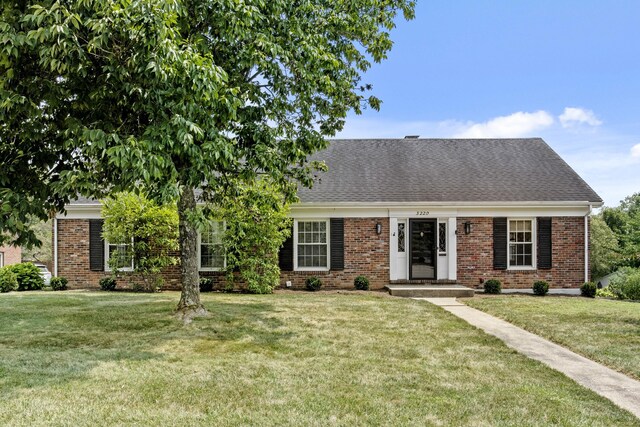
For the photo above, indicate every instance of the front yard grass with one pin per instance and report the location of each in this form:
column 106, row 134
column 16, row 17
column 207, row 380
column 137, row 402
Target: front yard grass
column 91, row 358
column 603, row 330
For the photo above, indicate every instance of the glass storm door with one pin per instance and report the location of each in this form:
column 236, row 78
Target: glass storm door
column 423, row 249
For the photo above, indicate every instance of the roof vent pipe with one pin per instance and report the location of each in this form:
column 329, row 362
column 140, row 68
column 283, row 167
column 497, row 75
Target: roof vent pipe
column 412, row 137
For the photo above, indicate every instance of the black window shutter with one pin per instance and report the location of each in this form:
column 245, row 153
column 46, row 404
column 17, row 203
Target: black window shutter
column 285, row 256
column 337, row 243
column 499, row 243
column 96, row 245
column 544, row 243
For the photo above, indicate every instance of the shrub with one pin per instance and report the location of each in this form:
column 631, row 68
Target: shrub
column 540, row 287
column 206, row 284
column 361, row 283
column 604, row 293
column 108, row 283
column 59, row 283
column 492, row 286
column 28, row 275
column 138, row 287
column 588, row 290
column 632, row 287
column 625, row 284
column 313, row 283
column 8, row 280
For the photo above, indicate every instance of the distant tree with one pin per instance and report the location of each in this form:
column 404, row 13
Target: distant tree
column 42, row 253
column 257, row 223
column 146, row 232
column 624, row 221
column 605, row 251
column 172, row 95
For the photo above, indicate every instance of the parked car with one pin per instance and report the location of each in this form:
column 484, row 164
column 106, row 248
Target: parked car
column 44, row 272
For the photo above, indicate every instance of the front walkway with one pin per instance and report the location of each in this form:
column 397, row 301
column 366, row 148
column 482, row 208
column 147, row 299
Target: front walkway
column 620, row 389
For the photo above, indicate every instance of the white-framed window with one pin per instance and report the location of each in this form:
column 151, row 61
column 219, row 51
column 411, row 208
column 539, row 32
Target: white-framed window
column 118, row 256
column 210, row 248
column 522, row 244
column 311, row 244
column 1, row 259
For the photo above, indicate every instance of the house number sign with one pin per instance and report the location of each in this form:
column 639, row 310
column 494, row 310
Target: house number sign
column 422, row 213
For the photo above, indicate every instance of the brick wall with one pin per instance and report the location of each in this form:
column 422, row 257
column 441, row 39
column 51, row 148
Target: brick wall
column 365, row 252
column 11, row 254
column 73, row 259
column 475, row 255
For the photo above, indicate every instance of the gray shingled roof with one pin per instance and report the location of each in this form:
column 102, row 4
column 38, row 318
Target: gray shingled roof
column 443, row 170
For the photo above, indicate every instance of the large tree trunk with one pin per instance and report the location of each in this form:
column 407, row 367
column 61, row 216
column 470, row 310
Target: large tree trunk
column 189, row 305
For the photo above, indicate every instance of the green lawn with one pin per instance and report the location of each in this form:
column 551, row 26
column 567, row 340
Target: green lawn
column 82, row 358
column 607, row 331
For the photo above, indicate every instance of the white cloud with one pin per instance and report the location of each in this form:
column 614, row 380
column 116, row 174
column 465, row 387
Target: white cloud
column 635, row 151
column 576, row 116
column 512, row 126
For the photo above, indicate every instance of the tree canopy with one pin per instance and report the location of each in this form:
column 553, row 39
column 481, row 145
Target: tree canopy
column 624, row 221
column 171, row 95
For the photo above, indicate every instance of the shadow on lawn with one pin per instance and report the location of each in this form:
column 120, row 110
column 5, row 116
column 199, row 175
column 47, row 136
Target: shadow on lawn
column 44, row 343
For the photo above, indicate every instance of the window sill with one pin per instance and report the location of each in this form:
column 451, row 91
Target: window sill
column 521, row 269
column 209, row 270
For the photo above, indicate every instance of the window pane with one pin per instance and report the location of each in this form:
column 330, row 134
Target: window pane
column 211, row 248
column 442, row 237
column 312, row 244
column 120, row 256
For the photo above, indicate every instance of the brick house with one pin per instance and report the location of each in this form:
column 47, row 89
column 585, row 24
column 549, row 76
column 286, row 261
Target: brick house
column 10, row 255
column 403, row 211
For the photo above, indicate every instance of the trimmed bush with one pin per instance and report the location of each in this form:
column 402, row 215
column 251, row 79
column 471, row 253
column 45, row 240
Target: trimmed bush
column 588, row 290
column 313, row 283
column 540, row 287
column 108, row 284
column 493, row 286
column 59, row 283
column 8, row 280
column 206, row 284
column 28, row 275
column 625, row 284
column 361, row 283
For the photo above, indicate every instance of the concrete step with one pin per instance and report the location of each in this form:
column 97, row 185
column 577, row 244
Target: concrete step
column 430, row 291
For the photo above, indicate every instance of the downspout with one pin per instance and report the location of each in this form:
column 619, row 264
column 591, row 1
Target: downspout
column 586, row 245
column 55, row 246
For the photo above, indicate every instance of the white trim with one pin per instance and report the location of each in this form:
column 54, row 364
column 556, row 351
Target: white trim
column 582, row 203
column 393, row 248
column 200, row 267
column 534, row 249
column 400, row 210
column 55, row 246
column 1, row 259
column 453, row 249
column 107, row 267
column 586, row 246
column 295, row 244
column 418, row 212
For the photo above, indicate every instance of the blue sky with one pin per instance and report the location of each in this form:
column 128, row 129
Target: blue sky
column 566, row 71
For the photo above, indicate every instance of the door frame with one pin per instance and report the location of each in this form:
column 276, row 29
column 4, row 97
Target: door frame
column 434, row 252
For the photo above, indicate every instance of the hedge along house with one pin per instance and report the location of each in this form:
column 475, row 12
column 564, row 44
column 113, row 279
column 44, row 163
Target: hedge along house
column 404, row 211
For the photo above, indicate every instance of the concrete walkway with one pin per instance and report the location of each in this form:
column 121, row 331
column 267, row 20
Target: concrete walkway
column 619, row 388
